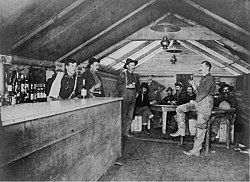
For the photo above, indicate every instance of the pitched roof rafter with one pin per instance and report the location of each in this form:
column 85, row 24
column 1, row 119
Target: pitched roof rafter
column 107, row 30
column 210, row 57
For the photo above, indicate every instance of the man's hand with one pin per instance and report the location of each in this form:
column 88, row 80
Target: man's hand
column 173, row 102
column 98, row 85
column 92, row 89
column 192, row 102
column 130, row 86
column 153, row 102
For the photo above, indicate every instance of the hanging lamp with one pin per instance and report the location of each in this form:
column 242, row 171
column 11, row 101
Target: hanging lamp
column 173, row 47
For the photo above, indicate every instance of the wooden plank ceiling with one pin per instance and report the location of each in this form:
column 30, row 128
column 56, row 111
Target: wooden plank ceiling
column 46, row 31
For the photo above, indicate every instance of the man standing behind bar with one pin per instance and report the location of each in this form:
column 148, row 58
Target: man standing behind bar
column 128, row 87
column 63, row 85
column 203, row 106
column 93, row 81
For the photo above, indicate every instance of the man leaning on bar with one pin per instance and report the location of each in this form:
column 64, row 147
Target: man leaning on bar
column 63, row 85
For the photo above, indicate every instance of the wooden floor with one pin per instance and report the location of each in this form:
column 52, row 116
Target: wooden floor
column 146, row 159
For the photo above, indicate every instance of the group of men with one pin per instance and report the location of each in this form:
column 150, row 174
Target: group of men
column 137, row 98
column 66, row 85
column 129, row 89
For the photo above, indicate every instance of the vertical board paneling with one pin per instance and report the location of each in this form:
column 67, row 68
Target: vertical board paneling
column 78, row 145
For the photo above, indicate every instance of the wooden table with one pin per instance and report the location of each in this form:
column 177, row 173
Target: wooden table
column 219, row 111
column 164, row 109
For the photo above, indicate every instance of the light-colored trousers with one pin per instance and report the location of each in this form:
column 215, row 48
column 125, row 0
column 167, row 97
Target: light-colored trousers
column 203, row 110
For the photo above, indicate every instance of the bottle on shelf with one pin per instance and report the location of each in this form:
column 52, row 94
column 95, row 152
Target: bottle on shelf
column 26, row 87
column 35, row 92
column 22, row 88
column 44, row 94
column 18, row 88
column 31, row 93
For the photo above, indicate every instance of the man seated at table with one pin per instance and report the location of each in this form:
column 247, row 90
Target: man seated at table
column 189, row 94
column 226, row 100
column 179, row 96
column 142, row 107
column 169, row 98
column 154, row 90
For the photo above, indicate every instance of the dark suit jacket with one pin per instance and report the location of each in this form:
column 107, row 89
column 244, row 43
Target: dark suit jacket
column 90, row 82
column 67, row 86
column 140, row 103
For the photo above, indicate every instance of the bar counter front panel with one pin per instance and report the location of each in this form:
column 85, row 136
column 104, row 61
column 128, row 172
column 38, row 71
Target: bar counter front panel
column 61, row 140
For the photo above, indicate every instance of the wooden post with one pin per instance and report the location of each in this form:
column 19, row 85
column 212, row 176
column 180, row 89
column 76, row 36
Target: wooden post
column 1, row 78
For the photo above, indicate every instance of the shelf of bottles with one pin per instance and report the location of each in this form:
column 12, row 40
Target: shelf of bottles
column 22, row 89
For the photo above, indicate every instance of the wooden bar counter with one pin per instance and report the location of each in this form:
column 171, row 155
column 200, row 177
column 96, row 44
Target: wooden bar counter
column 61, row 140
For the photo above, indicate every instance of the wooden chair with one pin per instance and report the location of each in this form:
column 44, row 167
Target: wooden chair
column 207, row 140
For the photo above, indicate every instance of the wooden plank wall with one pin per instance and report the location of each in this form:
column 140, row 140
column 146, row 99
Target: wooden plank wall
column 79, row 145
column 243, row 107
column 109, row 84
column 187, row 63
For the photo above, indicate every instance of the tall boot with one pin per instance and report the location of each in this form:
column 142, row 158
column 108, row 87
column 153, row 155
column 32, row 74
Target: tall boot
column 198, row 140
column 145, row 129
column 127, row 128
column 180, row 119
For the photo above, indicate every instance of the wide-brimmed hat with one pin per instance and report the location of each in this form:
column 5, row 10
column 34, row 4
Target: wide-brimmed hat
column 129, row 61
column 92, row 60
column 230, row 88
column 144, row 85
column 179, row 84
column 169, row 88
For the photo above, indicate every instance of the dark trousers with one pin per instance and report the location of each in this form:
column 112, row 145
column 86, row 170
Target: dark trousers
column 128, row 106
column 144, row 112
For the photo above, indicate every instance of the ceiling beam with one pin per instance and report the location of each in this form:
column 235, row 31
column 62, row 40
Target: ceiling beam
column 190, row 33
column 123, row 56
column 145, row 53
column 19, row 60
column 190, row 10
column 211, row 58
column 218, row 18
column 111, row 49
column 223, row 51
column 222, row 55
column 227, row 42
column 149, row 56
column 106, row 30
column 44, row 25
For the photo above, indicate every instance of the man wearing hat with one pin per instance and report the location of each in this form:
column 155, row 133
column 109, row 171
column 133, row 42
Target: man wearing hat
column 93, row 82
column 179, row 96
column 64, row 84
column 142, row 107
column 226, row 100
column 128, row 87
column 226, row 95
column 189, row 94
